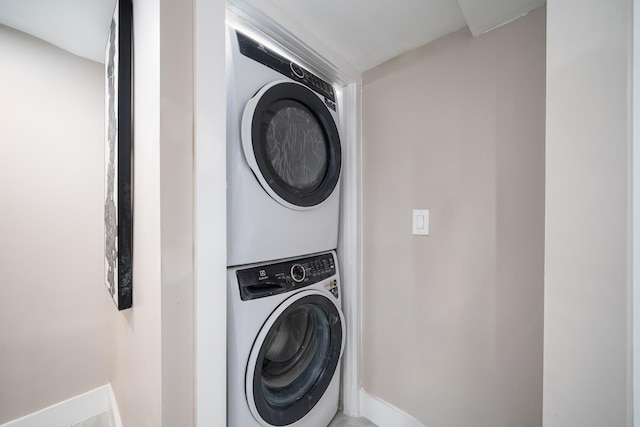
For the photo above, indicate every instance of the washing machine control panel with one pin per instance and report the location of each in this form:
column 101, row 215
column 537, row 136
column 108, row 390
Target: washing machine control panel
column 273, row 279
column 258, row 52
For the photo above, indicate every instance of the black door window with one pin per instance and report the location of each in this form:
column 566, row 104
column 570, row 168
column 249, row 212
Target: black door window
column 297, row 360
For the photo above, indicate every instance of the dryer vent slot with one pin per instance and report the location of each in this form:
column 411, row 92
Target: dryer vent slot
column 260, row 290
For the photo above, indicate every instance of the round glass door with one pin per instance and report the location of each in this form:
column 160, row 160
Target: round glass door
column 294, row 359
column 292, row 143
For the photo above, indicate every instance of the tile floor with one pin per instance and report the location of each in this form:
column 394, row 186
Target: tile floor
column 341, row 420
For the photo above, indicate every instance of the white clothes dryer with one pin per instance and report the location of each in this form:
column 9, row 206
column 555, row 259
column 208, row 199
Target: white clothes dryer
column 284, row 155
column 286, row 335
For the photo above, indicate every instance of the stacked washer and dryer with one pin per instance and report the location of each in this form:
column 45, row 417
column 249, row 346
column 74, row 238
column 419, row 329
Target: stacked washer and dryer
column 286, row 329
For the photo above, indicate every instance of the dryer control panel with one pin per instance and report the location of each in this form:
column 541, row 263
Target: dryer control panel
column 258, row 52
column 273, row 279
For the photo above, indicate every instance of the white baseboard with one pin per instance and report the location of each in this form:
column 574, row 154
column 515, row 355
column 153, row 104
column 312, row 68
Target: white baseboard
column 384, row 414
column 113, row 407
column 71, row 411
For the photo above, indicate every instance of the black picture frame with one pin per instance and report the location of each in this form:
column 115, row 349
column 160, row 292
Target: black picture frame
column 118, row 197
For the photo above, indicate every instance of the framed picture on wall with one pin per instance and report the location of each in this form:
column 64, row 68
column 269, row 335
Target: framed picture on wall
column 118, row 183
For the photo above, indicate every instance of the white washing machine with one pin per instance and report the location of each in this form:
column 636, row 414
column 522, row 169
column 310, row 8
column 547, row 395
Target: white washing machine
column 283, row 155
column 286, row 335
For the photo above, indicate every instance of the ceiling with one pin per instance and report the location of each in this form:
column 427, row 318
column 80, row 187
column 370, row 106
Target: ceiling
column 364, row 33
column 367, row 33
column 78, row 26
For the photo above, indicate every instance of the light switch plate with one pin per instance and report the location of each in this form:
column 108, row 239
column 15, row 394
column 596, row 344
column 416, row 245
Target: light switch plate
column 421, row 222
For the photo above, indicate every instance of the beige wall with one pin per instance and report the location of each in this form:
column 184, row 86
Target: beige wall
column 587, row 373
column 452, row 322
column 54, row 308
column 177, row 215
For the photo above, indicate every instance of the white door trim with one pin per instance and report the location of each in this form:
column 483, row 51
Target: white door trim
column 635, row 211
column 210, row 213
column 350, row 246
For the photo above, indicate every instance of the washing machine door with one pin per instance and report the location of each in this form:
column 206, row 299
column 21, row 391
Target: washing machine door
column 294, row 358
column 291, row 143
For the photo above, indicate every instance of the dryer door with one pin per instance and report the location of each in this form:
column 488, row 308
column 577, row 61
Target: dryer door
column 294, row 358
column 291, row 143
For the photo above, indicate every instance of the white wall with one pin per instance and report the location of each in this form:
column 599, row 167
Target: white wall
column 54, row 308
column 587, row 341
column 210, row 217
column 452, row 322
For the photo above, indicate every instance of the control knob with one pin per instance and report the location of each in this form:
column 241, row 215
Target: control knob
column 297, row 70
column 297, row 273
